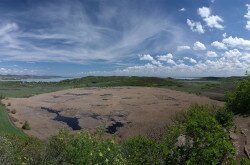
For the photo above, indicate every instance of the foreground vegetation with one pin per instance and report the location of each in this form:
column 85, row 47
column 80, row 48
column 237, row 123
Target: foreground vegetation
column 196, row 137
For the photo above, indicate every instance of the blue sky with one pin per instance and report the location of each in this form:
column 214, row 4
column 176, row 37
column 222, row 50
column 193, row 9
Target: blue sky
column 165, row 38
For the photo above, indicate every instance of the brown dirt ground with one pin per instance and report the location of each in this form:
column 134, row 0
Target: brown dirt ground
column 142, row 110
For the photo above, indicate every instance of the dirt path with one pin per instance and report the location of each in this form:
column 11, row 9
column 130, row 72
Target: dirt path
column 127, row 111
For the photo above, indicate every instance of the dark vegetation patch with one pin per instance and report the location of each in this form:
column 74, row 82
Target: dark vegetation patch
column 76, row 94
column 72, row 122
column 114, row 127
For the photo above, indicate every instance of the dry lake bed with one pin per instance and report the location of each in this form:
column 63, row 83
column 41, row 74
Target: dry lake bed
column 125, row 111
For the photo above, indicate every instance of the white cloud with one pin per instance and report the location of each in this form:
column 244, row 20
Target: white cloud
column 168, row 58
column 247, row 16
column 199, row 46
column 204, row 12
column 246, row 58
column 219, row 67
column 156, row 62
column 212, row 21
column 224, row 35
column 18, row 71
column 218, row 45
column 69, row 34
column 211, row 54
column 165, row 57
column 182, row 9
column 184, row 47
column 195, row 26
column 8, row 36
column 233, row 54
column 193, row 61
column 146, row 57
column 235, row 42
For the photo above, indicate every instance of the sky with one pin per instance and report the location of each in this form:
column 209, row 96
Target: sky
column 164, row 38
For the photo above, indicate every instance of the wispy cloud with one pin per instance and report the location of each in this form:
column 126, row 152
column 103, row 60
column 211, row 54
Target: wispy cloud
column 66, row 32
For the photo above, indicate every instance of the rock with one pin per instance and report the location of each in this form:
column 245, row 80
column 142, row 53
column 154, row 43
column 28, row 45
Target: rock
column 181, row 141
column 247, row 151
column 233, row 136
column 243, row 131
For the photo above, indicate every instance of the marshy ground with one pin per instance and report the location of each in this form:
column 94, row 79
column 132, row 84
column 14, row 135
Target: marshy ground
column 126, row 111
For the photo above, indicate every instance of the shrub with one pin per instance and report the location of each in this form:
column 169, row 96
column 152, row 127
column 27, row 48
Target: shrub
column 245, row 161
column 82, row 148
column 224, row 117
column 203, row 140
column 239, row 100
column 141, row 150
column 20, row 150
column 26, row 126
column 13, row 111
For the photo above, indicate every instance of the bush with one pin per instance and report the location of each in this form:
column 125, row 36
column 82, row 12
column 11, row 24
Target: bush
column 82, row 148
column 13, row 111
column 203, row 140
column 224, row 117
column 20, row 150
column 26, row 126
column 141, row 150
column 239, row 100
column 244, row 161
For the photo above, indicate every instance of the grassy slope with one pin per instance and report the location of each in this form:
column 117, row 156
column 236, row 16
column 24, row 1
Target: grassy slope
column 5, row 125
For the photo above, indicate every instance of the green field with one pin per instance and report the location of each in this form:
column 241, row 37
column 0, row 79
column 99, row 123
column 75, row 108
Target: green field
column 197, row 86
column 210, row 87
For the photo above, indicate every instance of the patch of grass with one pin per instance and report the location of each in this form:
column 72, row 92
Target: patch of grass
column 6, row 127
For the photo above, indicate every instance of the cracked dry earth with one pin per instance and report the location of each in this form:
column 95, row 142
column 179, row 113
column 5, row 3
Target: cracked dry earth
column 126, row 111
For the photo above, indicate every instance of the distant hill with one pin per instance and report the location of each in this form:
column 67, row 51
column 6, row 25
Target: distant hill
column 21, row 77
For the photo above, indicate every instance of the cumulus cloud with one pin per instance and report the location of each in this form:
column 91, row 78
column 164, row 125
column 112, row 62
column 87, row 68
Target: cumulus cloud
column 184, row 47
column 235, row 42
column 168, row 58
column 199, row 46
column 191, row 60
column 195, row 26
column 165, row 57
column 233, row 54
column 212, row 21
column 219, row 45
column 204, row 12
column 223, row 66
column 211, row 54
column 247, row 16
column 18, row 71
column 182, row 9
column 146, row 57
